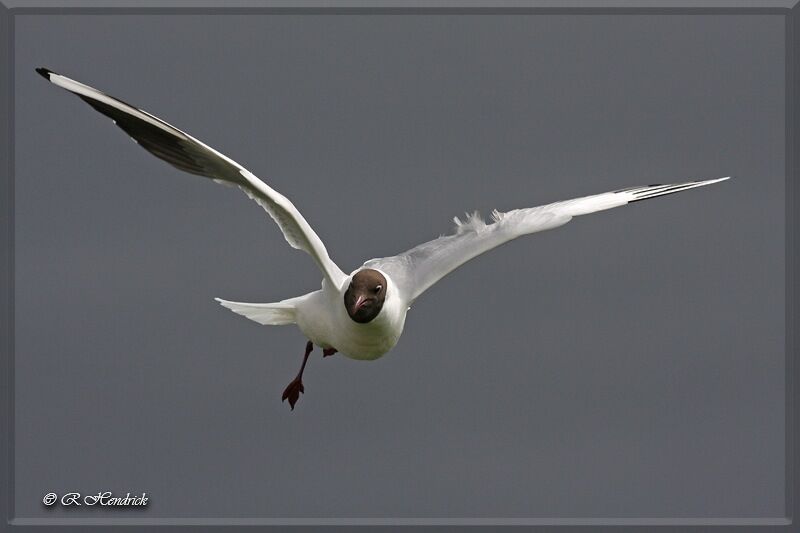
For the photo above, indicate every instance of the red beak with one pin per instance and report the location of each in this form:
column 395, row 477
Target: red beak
column 359, row 303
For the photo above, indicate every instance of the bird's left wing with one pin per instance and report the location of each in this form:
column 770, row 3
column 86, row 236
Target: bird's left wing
column 186, row 153
column 418, row 269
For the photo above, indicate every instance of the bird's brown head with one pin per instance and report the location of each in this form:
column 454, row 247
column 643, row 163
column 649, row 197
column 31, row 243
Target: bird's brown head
column 364, row 298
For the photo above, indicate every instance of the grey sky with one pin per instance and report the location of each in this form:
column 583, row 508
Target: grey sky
column 628, row 364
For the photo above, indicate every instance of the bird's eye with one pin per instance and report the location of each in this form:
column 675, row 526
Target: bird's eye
column 377, row 288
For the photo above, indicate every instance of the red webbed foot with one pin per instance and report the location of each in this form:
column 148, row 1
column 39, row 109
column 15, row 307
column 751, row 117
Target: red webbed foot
column 293, row 391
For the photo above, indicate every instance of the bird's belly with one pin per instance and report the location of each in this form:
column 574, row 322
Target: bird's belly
column 367, row 348
column 355, row 341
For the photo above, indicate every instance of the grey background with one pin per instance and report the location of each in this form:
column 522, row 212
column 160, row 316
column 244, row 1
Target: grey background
column 629, row 364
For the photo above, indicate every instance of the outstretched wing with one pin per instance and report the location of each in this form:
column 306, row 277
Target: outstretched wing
column 186, row 153
column 418, row 269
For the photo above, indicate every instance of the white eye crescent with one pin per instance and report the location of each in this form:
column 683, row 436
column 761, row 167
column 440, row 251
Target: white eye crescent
column 378, row 288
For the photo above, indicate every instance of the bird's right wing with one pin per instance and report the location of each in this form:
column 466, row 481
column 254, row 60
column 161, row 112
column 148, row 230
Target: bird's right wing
column 186, row 153
column 418, row 269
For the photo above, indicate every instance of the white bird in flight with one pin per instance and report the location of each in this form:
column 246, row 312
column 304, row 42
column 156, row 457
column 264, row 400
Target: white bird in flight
column 360, row 315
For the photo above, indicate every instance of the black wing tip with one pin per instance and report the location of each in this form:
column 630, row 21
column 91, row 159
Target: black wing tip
column 45, row 73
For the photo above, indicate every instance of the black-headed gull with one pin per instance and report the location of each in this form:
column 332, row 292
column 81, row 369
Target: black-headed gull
column 360, row 315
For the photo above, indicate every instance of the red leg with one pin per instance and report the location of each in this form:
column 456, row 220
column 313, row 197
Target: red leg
column 295, row 388
column 326, row 352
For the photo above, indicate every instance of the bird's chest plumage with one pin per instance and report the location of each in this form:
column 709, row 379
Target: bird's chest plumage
column 368, row 341
column 324, row 320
